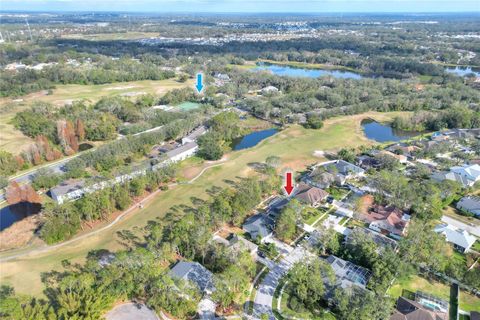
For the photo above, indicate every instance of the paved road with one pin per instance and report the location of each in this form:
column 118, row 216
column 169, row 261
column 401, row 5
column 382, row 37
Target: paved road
column 264, row 298
column 459, row 224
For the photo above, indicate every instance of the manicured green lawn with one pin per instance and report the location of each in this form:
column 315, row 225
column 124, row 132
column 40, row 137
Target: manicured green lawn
column 476, row 246
column 294, row 145
column 337, row 193
column 312, row 214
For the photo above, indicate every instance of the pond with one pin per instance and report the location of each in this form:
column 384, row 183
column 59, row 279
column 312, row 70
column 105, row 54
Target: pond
column 290, row 71
column 16, row 212
column 252, row 139
column 381, row 132
column 463, row 71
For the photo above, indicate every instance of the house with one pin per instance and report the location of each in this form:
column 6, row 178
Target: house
column 404, row 149
column 343, row 209
column 389, row 220
column 348, row 274
column 378, row 238
column 340, row 170
column 269, row 89
column 183, row 152
column 276, row 206
column 194, row 135
column 221, row 79
column 407, row 309
column 462, row 240
column 312, row 196
column 400, row 157
column 194, row 273
column 239, row 244
column 470, row 204
column 466, row 175
column 367, row 162
column 259, row 226
column 68, row 190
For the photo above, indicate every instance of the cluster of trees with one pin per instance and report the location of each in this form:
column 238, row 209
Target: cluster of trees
column 455, row 117
column 326, row 97
column 105, row 71
column 224, row 127
column 61, row 222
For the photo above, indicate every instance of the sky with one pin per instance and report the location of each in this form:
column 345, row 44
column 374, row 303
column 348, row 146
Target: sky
column 250, row 6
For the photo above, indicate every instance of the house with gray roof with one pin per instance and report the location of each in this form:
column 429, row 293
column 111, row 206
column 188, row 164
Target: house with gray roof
column 259, row 226
column 195, row 273
column 340, row 170
column 182, row 152
column 466, row 175
column 194, row 135
column 462, row 240
column 470, row 204
column 239, row 244
column 68, row 190
column 348, row 274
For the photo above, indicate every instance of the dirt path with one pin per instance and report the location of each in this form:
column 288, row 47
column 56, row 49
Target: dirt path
column 48, row 248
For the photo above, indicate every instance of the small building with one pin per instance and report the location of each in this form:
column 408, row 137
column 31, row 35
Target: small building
column 194, row 273
column 470, row 204
column 462, row 240
column 407, row 309
column 312, row 196
column 259, row 227
column 183, row 152
column 269, row 89
column 68, row 190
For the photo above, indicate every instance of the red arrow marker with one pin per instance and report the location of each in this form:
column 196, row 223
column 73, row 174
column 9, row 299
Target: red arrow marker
column 288, row 183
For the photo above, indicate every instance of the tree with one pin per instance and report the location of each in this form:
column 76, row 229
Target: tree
column 287, row 223
column 210, row 146
column 273, row 161
column 8, row 165
column 45, row 178
column 306, row 281
column 329, row 240
column 121, row 197
column 355, row 303
column 347, row 155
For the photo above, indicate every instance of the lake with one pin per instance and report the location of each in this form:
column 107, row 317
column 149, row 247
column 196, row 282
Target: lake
column 381, row 132
column 463, row 71
column 281, row 70
column 252, row 139
column 16, row 212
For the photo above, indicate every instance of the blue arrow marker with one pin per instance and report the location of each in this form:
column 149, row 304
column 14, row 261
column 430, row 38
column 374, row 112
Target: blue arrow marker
column 199, row 85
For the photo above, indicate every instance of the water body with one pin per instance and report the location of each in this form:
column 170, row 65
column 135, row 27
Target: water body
column 16, row 212
column 252, row 139
column 384, row 132
column 463, row 71
column 283, row 70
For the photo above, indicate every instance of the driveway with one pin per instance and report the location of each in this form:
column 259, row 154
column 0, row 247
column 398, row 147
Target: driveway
column 129, row 311
column 461, row 225
column 264, row 298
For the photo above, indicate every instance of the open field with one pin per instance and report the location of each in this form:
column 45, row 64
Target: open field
column 467, row 301
column 294, row 145
column 14, row 141
column 112, row 36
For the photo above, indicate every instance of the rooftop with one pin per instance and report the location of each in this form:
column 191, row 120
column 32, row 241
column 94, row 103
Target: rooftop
column 195, row 273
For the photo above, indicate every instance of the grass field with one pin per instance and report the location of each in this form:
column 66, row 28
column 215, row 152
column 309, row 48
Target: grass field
column 467, row 301
column 294, row 145
column 14, row 141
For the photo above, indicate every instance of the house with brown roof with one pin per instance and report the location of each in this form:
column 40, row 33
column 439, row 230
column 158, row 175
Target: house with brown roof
column 388, row 220
column 407, row 309
column 310, row 195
